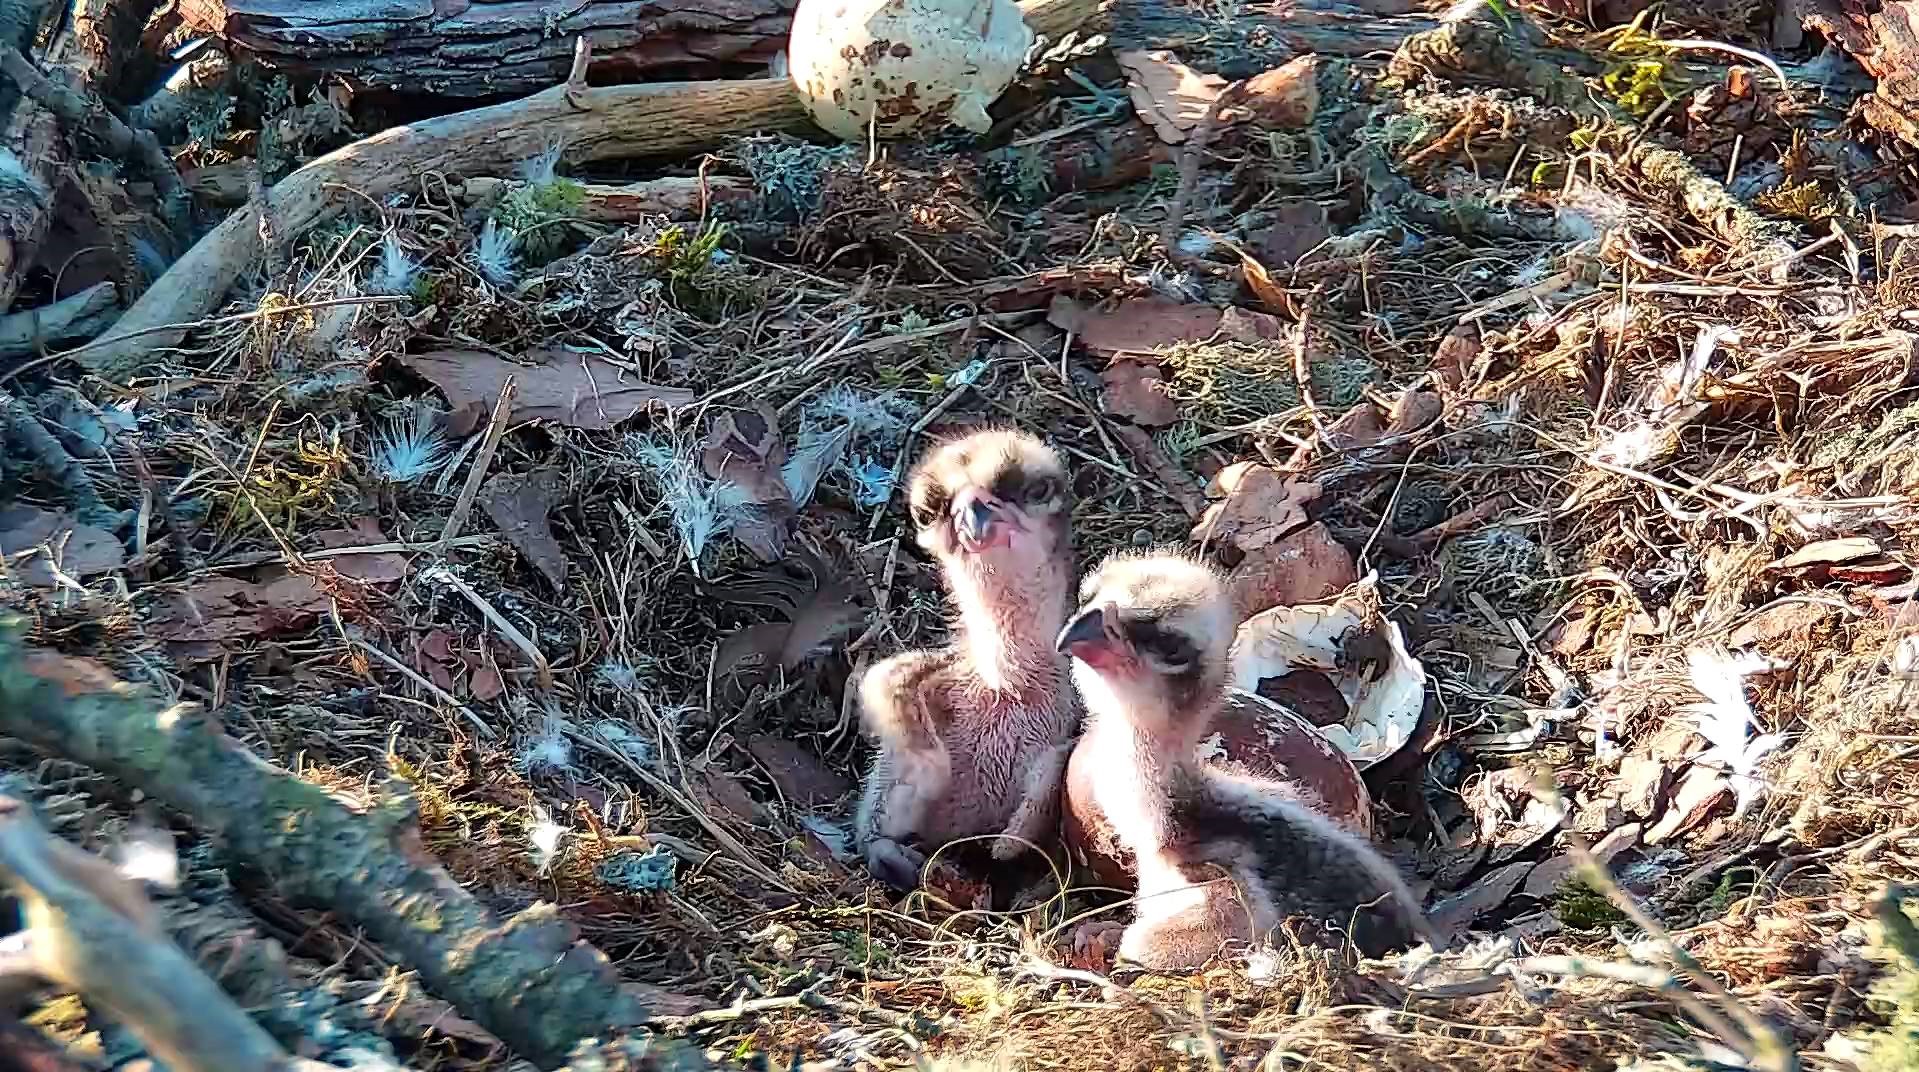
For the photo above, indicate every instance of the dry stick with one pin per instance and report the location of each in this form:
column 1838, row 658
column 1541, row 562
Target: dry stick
column 671, row 118
column 88, row 931
column 529, row 980
column 1758, row 1043
column 495, row 428
column 118, row 140
column 76, row 316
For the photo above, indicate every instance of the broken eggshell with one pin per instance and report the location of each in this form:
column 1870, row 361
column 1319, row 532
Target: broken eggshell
column 1343, row 640
column 901, row 68
column 1251, row 737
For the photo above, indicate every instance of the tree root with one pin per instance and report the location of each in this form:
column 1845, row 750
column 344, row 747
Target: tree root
column 529, row 980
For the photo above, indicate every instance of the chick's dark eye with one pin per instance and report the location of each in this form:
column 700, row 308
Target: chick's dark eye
column 1042, row 490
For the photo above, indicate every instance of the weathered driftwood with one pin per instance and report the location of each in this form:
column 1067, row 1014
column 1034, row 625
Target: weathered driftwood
column 88, row 930
column 32, row 137
column 77, row 316
column 671, row 119
column 529, row 980
column 674, row 196
column 494, row 48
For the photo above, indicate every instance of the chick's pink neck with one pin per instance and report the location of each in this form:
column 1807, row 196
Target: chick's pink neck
column 1009, row 619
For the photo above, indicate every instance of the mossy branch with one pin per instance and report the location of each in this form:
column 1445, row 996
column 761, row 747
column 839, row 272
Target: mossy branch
column 529, row 979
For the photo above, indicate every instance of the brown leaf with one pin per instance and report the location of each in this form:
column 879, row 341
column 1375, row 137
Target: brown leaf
column 724, row 791
column 1456, row 913
column 1306, row 566
column 1550, row 875
column 518, row 503
column 1136, row 325
column 76, row 677
column 226, row 608
column 1299, row 228
column 484, row 684
column 1137, row 391
column 576, row 390
column 1286, row 96
column 1257, row 505
column 1260, row 284
column 1641, row 785
column 81, row 551
column 1453, row 361
column 744, row 448
column 817, row 610
column 1166, row 93
column 1830, row 552
column 377, row 567
column 802, row 778
column 1700, row 793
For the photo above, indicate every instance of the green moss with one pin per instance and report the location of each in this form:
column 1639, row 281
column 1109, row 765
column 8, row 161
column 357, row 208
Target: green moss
column 1580, row 907
column 538, row 214
column 1233, row 383
column 1637, row 85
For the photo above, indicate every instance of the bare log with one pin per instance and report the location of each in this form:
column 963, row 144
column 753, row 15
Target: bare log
column 496, row 48
column 529, row 980
column 88, row 930
column 676, row 197
column 78, row 316
column 616, row 122
column 31, row 161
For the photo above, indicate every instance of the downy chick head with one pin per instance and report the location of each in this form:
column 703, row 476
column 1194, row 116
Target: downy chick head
column 1150, row 640
column 995, row 500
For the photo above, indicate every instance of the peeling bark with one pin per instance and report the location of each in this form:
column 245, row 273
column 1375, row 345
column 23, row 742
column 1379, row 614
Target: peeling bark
column 529, row 979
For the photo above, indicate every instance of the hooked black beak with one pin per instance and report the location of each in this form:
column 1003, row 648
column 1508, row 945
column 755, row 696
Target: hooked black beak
column 1088, row 628
column 974, row 520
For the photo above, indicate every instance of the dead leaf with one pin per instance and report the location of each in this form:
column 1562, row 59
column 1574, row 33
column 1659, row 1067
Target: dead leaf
column 1286, row 96
column 1257, row 505
column 1137, row 391
column 1550, row 875
column 1482, row 898
column 1700, row 792
column 1641, row 785
column 727, row 793
column 1136, row 325
column 518, row 503
column 744, row 448
column 1783, row 626
column 226, row 608
column 573, row 389
column 28, row 536
column 76, row 677
column 1830, row 552
column 802, row 778
column 1299, row 229
column 485, row 684
column 1363, row 427
column 818, row 608
column 375, row 567
column 1166, row 93
column 1305, row 566
column 1260, row 284
column 1453, row 361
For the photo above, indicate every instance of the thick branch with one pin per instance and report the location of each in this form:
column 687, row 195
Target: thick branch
column 495, row 48
column 623, row 121
column 115, row 138
column 77, row 940
column 528, row 980
column 77, row 316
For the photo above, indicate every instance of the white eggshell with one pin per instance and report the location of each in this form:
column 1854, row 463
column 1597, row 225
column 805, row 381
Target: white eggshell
column 906, row 67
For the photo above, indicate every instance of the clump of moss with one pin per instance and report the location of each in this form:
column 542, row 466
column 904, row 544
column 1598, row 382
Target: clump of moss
column 1638, row 86
column 1235, row 382
column 1580, row 907
column 700, row 278
column 538, row 214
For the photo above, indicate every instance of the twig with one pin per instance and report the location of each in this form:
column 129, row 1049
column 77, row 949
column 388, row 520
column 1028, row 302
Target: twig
column 118, row 140
column 490, row 613
column 25, row 429
column 1762, row 1048
column 76, row 316
column 495, row 428
column 529, row 980
column 89, row 930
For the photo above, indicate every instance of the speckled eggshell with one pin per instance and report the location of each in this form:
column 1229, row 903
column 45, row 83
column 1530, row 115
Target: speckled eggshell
column 1252, row 737
column 908, row 66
